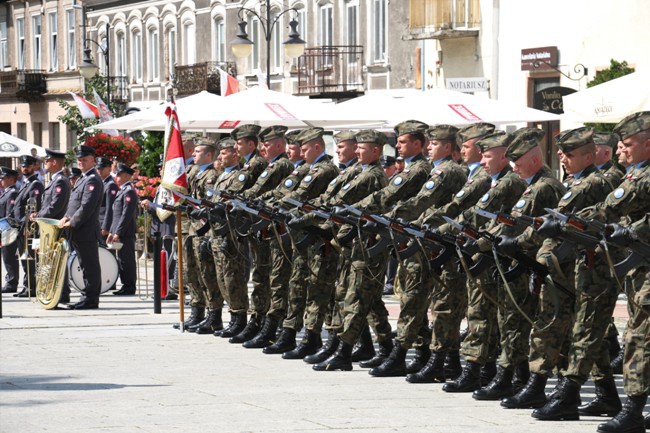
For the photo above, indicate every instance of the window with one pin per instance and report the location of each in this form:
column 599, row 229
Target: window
column 55, row 136
column 325, row 25
column 20, row 38
column 189, row 33
column 255, row 38
column 154, row 64
column 136, row 61
column 219, row 40
column 351, row 39
column 3, row 45
column 276, row 43
column 54, row 52
column 379, row 31
column 120, row 66
column 72, row 45
column 21, row 131
column 37, row 127
column 36, row 41
column 101, row 60
column 171, row 52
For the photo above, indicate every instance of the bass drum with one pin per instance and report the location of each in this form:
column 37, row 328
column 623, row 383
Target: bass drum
column 108, row 263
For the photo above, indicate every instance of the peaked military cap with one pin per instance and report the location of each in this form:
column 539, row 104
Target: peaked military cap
column 523, row 140
column 226, row 143
column 371, row 136
column 123, row 168
column 387, row 160
column 633, row 124
column 6, row 171
column 53, row 154
column 291, row 136
column 188, row 136
column 606, row 139
column 83, row 150
column 411, row 127
column 575, row 139
column 442, row 132
column 273, row 132
column 345, row 136
column 496, row 139
column 27, row 160
column 206, row 141
column 245, row 131
column 101, row 162
column 309, row 134
column 475, row 130
column 75, row 172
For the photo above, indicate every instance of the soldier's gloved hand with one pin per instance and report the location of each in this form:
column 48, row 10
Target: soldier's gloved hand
column 470, row 246
column 198, row 213
column 508, row 246
column 535, row 283
column 217, row 214
column 297, row 222
column 550, row 228
column 205, row 248
column 429, row 228
column 340, row 211
column 370, row 226
column 621, row 235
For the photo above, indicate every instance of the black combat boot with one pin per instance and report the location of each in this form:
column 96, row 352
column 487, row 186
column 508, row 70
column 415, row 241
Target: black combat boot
column 211, row 323
column 341, row 360
column 607, row 401
column 385, row 347
column 563, row 405
column 452, row 365
column 328, row 349
column 468, row 381
column 230, row 324
column 499, row 387
column 264, row 337
column 531, row 395
column 394, row 365
column 364, row 349
column 308, row 346
column 433, row 371
column 252, row 328
column 196, row 316
column 629, row 419
column 488, row 371
column 237, row 327
column 285, row 342
column 422, row 355
column 617, row 363
column 522, row 374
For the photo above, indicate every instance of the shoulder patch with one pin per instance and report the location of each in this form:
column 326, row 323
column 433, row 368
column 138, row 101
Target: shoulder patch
column 113, row 191
column 210, row 181
column 346, row 187
column 460, row 193
column 127, row 199
column 567, row 195
column 288, row 183
column 307, row 178
column 333, row 181
column 528, row 190
column 57, row 189
column 264, row 174
column 619, row 192
column 246, row 166
column 91, row 187
column 520, row 204
column 398, row 181
column 430, row 185
column 241, row 177
column 485, row 197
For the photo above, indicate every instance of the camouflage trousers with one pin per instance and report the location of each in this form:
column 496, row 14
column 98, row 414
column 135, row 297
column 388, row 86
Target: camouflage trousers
column 448, row 308
column 191, row 277
column 596, row 297
column 415, row 275
column 281, row 256
column 230, row 263
column 260, row 299
column 363, row 303
column 323, row 260
column 297, row 291
column 514, row 328
column 202, row 278
column 480, row 344
column 636, row 358
column 334, row 318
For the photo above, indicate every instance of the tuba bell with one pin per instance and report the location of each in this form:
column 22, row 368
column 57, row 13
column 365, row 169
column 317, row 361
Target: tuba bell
column 52, row 261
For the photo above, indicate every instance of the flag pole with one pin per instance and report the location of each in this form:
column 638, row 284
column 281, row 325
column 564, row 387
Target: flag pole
column 179, row 267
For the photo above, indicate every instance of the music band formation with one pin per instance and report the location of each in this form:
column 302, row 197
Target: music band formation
column 534, row 264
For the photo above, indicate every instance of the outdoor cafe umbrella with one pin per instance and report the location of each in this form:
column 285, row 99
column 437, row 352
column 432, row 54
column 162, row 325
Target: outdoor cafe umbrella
column 13, row 147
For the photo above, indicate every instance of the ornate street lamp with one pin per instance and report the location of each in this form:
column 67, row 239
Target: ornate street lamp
column 88, row 69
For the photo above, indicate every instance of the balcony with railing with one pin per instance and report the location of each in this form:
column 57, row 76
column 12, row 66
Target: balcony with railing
column 444, row 19
column 119, row 88
column 192, row 79
column 26, row 85
column 331, row 72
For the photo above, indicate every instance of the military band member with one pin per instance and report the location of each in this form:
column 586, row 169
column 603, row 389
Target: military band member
column 7, row 201
column 82, row 218
column 123, row 227
column 104, row 167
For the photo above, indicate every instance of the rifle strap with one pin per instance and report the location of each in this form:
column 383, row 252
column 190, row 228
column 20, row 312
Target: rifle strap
column 476, row 281
column 278, row 238
column 507, row 286
column 610, row 262
column 556, row 265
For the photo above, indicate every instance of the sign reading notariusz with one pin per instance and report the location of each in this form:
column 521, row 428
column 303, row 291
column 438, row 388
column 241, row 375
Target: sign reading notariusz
column 468, row 85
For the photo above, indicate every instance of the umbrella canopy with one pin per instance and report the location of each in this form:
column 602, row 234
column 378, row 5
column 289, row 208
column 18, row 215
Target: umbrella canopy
column 438, row 106
column 13, row 147
column 611, row 101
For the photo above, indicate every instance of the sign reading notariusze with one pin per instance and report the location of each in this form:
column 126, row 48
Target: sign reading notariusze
column 468, row 85
column 543, row 57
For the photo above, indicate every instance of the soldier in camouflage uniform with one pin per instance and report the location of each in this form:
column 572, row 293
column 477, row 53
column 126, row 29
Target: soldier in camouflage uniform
column 279, row 167
column 305, row 267
column 446, row 178
column 543, row 191
column 201, row 278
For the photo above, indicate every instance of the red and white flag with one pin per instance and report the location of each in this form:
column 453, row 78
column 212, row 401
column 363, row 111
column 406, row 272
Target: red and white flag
column 104, row 113
column 229, row 84
column 174, row 177
column 87, row 110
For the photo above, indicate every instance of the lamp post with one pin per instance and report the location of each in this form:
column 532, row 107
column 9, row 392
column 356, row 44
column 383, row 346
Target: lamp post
column 242, row 46
column 88, row 69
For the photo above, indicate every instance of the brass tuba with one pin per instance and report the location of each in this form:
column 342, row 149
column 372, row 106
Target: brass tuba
column 52, row 261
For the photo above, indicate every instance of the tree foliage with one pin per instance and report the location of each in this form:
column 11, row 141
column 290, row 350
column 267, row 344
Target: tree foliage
column 616, row 69
column 151, row 150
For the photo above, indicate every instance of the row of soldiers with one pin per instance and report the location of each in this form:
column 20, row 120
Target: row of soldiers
column 108, row 202
column 538, row 294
